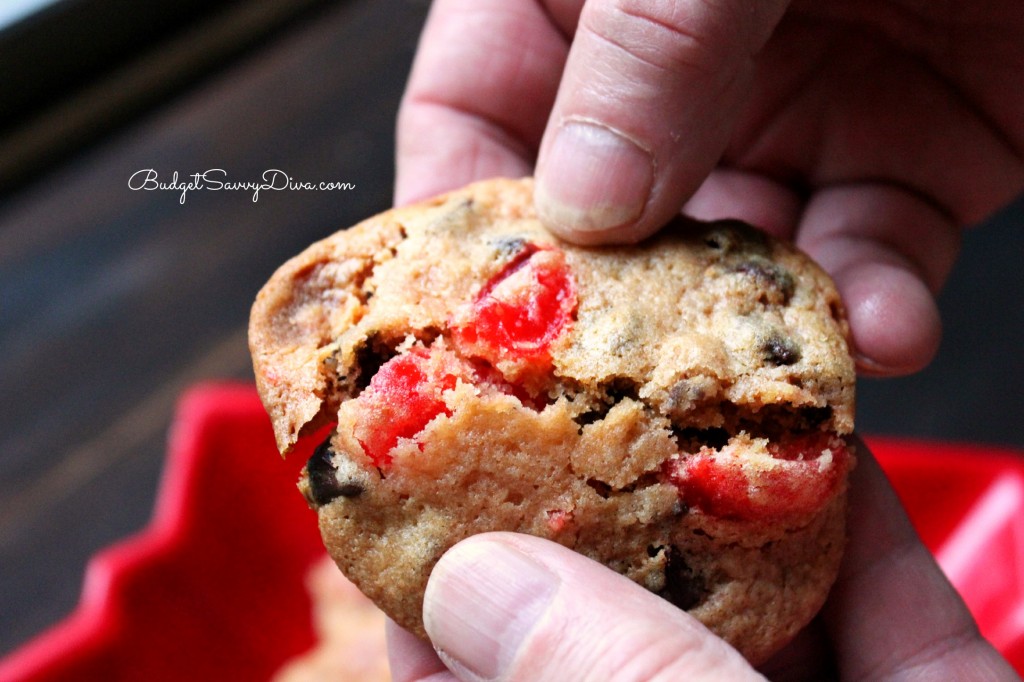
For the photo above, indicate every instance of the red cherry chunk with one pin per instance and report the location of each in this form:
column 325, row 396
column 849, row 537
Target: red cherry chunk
column 403, row 396
column 714, row 487
column 795, row 478
column 522, row 309
column 558, row 520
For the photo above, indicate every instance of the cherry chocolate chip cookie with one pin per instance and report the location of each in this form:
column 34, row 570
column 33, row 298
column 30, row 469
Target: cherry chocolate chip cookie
column 675, row 410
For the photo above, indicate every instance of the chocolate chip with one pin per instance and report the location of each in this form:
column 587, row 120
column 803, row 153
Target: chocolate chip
column 323, row 477
column 714, row 241
column 683, row 587
column 722, row 239
column 684, row 394
column 350, row 489
column 779, row 350
column 769, row 275
column 509, row 247
column 735, row 236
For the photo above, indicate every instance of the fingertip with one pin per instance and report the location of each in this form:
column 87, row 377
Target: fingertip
column 888, row 251
column 894, row 320
column 645, row 109
column 410, row 658
column 483, row 599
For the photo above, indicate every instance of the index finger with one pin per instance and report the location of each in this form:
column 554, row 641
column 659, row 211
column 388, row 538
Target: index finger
column 482, row 85
column 413, row 660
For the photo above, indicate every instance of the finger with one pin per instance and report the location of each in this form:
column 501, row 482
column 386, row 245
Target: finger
column 482, row 84
column 889, row 253
column 411, row 659
column 749, row 197
column 808, row 657
column 892, row 614
column 515, row 607
column 645, row 108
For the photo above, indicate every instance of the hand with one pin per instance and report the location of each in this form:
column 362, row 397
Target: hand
column 512, row 607
column 868, row 131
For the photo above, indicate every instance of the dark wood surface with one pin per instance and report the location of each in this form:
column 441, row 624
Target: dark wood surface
column 114, row 300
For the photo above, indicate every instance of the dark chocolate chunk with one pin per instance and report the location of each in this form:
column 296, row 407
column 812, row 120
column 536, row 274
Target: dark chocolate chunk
column 683, row 587
column 769, row 275
column 779, row 350
column 350, row 489
column 323, row 477
column 735, row 236
column 715, row 241
column 685, row 393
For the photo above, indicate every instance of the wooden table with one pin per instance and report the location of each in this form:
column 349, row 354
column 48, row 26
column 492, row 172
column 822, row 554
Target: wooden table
column 114, row 300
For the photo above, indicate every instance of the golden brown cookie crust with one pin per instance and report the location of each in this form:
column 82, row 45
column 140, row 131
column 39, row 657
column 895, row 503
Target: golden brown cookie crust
column 708, row 338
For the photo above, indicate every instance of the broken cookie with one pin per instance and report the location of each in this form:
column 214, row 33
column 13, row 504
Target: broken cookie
column 675, row 410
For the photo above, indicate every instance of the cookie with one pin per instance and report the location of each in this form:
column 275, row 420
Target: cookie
column 675, row 410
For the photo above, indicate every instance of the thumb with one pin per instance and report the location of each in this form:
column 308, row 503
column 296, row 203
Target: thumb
column 502, row 606
column 646, row 106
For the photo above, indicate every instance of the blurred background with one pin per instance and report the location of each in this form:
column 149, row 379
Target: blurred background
column 113, row 299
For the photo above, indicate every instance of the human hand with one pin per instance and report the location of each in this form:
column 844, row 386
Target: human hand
column 867, row 132
column 512, row 607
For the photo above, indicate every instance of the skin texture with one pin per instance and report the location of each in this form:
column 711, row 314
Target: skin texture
column 869, row 132
column 891, row 616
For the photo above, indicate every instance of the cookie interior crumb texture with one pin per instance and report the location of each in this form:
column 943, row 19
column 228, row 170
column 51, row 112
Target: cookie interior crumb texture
column 675, row 409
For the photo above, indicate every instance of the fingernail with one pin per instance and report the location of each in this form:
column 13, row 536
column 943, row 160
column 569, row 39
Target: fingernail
column 592, row 178
column 482, row 601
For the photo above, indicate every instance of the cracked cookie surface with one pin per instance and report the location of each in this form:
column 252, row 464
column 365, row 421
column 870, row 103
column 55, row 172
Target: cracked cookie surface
column 674, row 409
